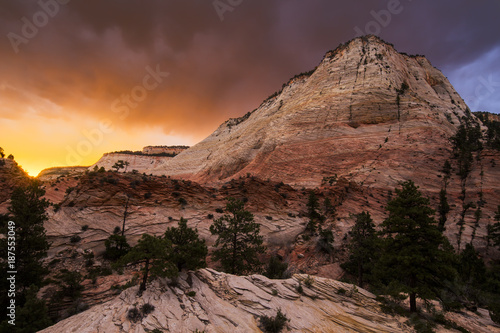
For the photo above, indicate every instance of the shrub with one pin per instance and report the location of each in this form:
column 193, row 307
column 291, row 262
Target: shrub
column 274, row 324
column 147, row 308
column 276, row 269
column 116, row 247
column 57, row 207
column 147, row 195
column 134, row 315
column 210, row 216
column 85, row 227
column 191, row 293
column 69, row 190
column 299, row 289
column 325, row 242
column 182, row 201
column 89, row 258
column 75, row 239
column 219, row 210
column 116, row 230
column 309, row 281
column 494, row 311
column 420, row 325
column 70, row 283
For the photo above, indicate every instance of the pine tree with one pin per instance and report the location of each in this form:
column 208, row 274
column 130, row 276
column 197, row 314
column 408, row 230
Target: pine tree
column 315, row 218
column 153, row 253
column 30, row 318
column 189, row 251
column 27, row 211
column 362, row 247
column 329, row 208
column 414, row 260
column 276, row 268
column 116, row 247
column 471, row 268
column 26, row 216
column 239, row 241
column 443, row 209
column 494, row 230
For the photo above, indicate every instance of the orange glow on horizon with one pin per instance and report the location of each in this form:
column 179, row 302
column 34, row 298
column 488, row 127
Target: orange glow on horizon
column 38, row 145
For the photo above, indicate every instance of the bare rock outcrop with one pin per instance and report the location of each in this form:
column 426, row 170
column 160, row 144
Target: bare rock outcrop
column 211, row 301
column 51, row 174
column 216, row 302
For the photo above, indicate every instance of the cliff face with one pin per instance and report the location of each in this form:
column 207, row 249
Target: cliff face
column 52, row 174
column 365, row 108
column 141, row 163
column 210, row 301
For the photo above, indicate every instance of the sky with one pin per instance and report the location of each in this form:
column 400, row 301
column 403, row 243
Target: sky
column 79, row 78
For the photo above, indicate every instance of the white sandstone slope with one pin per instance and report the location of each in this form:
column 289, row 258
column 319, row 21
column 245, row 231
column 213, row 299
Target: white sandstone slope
column 210, row 301
column 228, row 303
column 335, row 120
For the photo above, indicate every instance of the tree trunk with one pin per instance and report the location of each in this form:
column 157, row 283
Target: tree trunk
column 123, row 226
column 360, row 275
column 233, row 263
column 413, row 294
column 144, row 278
column 413, row 302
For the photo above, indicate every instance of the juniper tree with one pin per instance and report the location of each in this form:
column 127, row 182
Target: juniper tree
column 239, row 241
column 415, row 259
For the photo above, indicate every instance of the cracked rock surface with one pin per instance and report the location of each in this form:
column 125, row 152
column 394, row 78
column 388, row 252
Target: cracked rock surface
column 211, row 301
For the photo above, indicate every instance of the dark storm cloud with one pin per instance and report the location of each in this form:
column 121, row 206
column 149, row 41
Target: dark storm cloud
column 93, row 52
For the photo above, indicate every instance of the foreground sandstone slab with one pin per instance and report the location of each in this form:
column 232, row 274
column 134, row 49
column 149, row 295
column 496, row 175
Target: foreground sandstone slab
column 220, row 302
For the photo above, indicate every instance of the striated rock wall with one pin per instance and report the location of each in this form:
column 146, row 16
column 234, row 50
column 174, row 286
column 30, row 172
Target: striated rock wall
column 51, row 174
column 141, row 163
column 151, row 150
